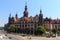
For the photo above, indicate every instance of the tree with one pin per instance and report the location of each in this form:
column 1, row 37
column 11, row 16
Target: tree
column 54, row 30
column 12, row 28
column 40, row 30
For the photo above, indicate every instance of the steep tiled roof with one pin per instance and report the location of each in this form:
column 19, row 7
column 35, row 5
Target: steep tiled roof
column 55, row 21
column 28, row 19
column 16, row 20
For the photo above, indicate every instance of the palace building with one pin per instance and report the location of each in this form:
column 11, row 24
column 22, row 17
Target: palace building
column 31, row 23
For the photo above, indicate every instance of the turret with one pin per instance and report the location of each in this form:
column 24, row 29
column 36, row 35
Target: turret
column 9, row 19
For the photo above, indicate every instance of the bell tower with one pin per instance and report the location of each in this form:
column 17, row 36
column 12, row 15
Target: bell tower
column 25, row 11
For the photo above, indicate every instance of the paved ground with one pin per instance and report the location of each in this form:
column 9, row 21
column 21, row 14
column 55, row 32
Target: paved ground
column 41, row 38
column 17, row 37
column 13, row 37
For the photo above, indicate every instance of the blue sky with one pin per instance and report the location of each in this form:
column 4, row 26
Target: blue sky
column 50, row 8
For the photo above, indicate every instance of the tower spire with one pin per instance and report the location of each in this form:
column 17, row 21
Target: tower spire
column 16, row 15
column 10, row 15
column 9, row 18
column 25, row 5
column 40, row 11
column 25, row 11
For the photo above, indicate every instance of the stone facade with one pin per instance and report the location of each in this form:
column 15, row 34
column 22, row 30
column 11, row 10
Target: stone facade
column 30, row 23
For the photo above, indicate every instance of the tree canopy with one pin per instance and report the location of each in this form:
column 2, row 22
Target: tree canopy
column 12, row 28
column 54, row 30
column 40, row 30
